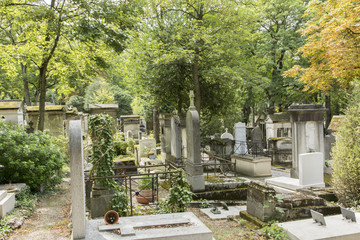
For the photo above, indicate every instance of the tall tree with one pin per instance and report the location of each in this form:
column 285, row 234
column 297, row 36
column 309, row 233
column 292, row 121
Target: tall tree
column 185, row 45
column 50, row 32
column 276, row 49
column 333, row 40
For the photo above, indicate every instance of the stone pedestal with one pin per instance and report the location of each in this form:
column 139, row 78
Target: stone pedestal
column 307, row 122
column 261, row 201
column 100, row 201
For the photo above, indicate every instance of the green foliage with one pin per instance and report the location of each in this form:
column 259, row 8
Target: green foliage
column 274, row 232
column 76, row 101
column 120, row 145
column 204, row 203
column 180, row 195
column 33, row 159
column 346, row 157
column 4, row 228
column 145, row 183
column 101, row 134
column 26, row 201
column 120, row 201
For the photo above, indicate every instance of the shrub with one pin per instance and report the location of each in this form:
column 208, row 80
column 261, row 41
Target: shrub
column 120, row 201
column 33, row 158
column 180, row 195
column 77, row 101
column 120, row 145
column 346, row 158
column 274, row 232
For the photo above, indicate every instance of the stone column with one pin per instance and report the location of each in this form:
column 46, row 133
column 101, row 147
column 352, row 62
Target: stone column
column 194, row 168
column 77, row 179
column 240, row 138
column 299, row 116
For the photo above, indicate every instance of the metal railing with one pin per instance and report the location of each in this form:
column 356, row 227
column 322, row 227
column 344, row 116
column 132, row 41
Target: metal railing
column 129, row 180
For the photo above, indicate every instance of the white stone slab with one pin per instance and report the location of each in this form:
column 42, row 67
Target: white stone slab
column 233, row 211
column 311, row 169
column 7, row 204
column 289, row 183
column 195, row 230
column 336, row 228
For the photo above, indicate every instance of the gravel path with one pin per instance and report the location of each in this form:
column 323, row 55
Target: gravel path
column 51, row 217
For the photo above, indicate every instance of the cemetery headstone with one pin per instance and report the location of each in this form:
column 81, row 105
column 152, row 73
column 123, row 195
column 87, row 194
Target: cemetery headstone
column 257, row 141
column 318, row 217
column 176, row 139
column 311, row 169
column 194, row 168
column 348, row 214
column 240, row 139
column 77, row 179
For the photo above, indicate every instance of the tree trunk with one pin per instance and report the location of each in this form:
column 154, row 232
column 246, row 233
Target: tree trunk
column 196, row 81
column 328, row 111
column 156, row 124
column 42, row 79
column 26, row 85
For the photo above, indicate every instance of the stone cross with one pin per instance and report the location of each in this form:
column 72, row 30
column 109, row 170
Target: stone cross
column 77, row 179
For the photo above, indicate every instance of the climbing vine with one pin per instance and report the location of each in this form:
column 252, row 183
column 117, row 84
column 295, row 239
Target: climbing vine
column 101, row 134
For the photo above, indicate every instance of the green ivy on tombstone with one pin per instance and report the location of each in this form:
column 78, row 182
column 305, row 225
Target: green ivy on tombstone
column 101, row 134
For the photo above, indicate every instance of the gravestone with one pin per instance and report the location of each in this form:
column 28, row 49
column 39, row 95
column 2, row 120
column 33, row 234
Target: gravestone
column 240, row 139
column 227, row 135
column 307, row 122
column 228, row 142
column 165, row 137
column 311, row 169
column 176, row 139
column 257, row 141
column 77, row 180
column 194, row 168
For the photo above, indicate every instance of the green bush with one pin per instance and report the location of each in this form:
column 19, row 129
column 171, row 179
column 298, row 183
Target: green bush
column 120, row 201
column 76, row 101
column 180, row 195
column 121, row 146
column 274, row 232
column 346, row 158
column 34, row 158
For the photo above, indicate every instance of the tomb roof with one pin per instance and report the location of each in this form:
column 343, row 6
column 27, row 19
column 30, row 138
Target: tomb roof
column 10, row 104
column 47, row 108
column 103, row 105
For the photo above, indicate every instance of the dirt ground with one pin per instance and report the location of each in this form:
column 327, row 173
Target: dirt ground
column 50, row 219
